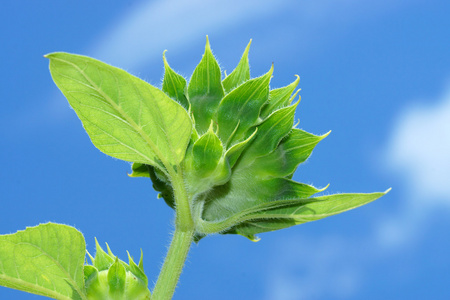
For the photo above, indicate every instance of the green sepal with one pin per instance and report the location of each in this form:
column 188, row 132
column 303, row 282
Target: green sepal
column 205, row 164
column 139, row 170
column 298, row 213
column 279, row 98
column 138, row 271
column 205, row 90
column 162, row 185
column 235, row 151
column 102, row 261
column 225, row 225
column 109, row 251
column 141, row 261
column 269, row 135
column 206, row 153
column 116, row 280
column 222, row 173
column 94, row 288
column 174, row 85
column 239, row 110
column 247, row 189
column 240, row 74
column 292, row 151
column 89, row 272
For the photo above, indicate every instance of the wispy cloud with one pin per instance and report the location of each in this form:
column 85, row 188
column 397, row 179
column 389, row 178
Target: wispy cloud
column 419, row 149
column 418, row 153
column 146, row 31
column 153, row 26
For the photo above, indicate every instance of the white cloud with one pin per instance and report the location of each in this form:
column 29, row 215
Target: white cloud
column 418, row 153
column 419, row 150
column 153, row 26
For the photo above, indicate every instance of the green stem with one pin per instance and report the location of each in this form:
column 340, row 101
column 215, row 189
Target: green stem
column 173, row 264
column 182, row 205
column 181, row 241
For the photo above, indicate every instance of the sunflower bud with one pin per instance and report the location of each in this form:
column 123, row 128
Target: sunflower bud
column 109, row 278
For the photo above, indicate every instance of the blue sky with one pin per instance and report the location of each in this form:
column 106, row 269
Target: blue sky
column 377, row 73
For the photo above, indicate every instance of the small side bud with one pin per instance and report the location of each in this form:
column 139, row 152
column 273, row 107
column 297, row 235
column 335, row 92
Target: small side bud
column 119, row 281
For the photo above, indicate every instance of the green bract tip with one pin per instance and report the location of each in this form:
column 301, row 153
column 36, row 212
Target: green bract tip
column 111, row 278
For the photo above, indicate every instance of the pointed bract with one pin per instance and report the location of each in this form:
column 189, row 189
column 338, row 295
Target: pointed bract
column 116, row 280
column 291, row 152
column 205, row 90
column 294, row 214
column 270, row 133
column 279, row 98
column 235, row 151
column 239, row 110
column 102, row 260
column 206, row 152
column 174, row 85
column 239, row 75
column 141, row 261
column 136, row 270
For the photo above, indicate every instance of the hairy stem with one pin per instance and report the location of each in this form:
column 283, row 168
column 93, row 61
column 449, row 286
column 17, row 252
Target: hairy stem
column 181, row 241
column 173, row 264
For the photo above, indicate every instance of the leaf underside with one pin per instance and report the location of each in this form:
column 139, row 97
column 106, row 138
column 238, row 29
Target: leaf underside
column 45, row 260
column 124, row 116
column 292, row 214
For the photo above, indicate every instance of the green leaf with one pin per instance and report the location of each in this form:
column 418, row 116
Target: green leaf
column 45, row 260
column 205, row 90
column 174, row 84
column 239, row 110
column 279, row 98
column 239, row 75
column 124, row 116
column 299, row 213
